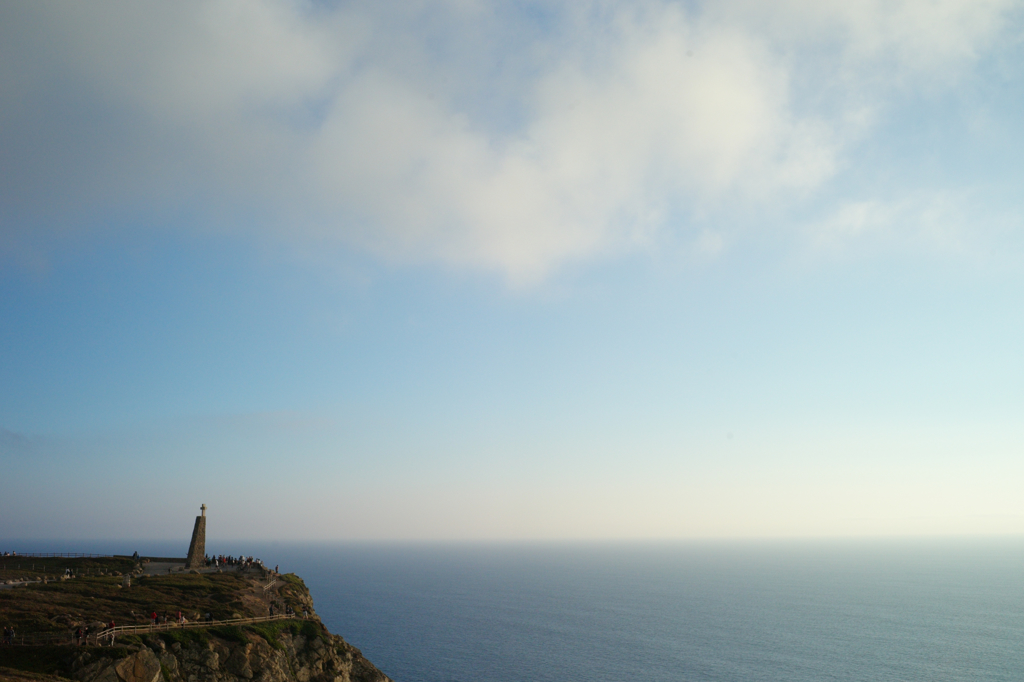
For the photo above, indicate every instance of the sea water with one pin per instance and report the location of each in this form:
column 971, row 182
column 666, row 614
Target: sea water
column 772, row 611
column 768, row 611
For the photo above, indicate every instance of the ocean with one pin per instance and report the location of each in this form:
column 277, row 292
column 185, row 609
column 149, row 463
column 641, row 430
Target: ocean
column 777, row 611
column 771, row 611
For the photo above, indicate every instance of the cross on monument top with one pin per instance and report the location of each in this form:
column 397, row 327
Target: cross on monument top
column 203, row 508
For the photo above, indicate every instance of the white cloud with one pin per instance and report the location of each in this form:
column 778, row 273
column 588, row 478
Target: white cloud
column 941, row 222
column 920, row 35
column 672, row 117
column 382, row 127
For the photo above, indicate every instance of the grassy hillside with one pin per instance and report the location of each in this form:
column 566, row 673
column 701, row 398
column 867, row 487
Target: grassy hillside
column 98, row 595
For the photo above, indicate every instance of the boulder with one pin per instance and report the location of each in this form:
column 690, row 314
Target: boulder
column 142, row 666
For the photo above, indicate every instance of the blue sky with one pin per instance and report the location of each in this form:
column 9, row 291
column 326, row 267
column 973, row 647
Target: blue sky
column 462, row 270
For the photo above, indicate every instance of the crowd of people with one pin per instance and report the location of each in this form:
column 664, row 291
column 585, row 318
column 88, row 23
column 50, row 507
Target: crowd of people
column 163, row 618
column 242, row 562
column 10, row 554
column 8, row 635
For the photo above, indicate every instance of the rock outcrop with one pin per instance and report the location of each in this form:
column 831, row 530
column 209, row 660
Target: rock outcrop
column 304, row 652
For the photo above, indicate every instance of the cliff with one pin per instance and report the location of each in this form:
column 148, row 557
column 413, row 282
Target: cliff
column 49, row 614
column 291, row 650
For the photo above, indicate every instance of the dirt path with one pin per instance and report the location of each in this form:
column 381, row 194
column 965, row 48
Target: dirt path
column 162, row 567
column 165, row 567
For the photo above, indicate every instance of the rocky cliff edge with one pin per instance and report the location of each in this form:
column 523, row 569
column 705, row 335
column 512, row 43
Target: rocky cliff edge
column 283, row 651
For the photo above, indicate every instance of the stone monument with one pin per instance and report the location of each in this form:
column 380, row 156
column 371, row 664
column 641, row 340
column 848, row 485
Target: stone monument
column 197, row 548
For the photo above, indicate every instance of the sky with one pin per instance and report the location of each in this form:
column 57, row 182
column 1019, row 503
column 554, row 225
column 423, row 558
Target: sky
column 535, row 270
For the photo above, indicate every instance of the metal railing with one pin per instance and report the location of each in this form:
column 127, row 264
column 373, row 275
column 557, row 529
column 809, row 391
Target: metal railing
column 137, row 629
column 58, row 555
column 109, row 635
column 41, row 639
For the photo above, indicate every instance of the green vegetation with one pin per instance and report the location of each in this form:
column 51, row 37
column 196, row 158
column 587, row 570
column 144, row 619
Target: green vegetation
column 33, row 568
column 12, row 675
column 270, row 631
column 185, row 637
column 229, row 633
column 48, row 660
column 292, row 591
column 60, row 605
column 293, row 579
column 51, row 660
column 130, row 640
column 98, row 596
column 267, row 631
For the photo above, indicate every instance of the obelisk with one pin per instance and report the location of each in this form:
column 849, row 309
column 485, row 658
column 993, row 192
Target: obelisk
column 197, row 548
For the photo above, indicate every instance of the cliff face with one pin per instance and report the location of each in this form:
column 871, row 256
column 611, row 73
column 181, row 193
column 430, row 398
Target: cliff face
column 251, row 649
column 306, row 652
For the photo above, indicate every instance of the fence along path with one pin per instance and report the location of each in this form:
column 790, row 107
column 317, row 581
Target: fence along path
column 136, row 629
column 60, row 555
column 107, row 634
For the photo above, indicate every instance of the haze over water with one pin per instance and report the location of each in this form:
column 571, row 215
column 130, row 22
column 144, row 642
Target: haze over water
column 864, row 610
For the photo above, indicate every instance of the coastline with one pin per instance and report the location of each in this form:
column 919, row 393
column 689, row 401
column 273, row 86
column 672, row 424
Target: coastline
column 224, row 628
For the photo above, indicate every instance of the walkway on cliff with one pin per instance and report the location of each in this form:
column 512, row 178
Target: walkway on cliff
column 104, row 637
